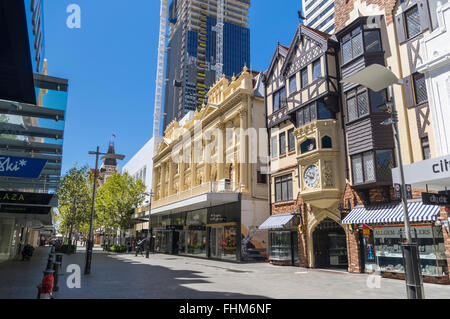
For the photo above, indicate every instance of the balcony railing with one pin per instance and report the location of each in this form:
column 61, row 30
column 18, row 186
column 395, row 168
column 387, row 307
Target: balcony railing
column 222, row 186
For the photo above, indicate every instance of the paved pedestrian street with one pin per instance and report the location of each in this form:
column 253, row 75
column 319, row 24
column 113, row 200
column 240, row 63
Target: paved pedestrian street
column 118, row 276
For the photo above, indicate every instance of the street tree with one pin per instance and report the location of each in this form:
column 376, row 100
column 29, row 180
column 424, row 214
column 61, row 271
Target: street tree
column 74, row 198
column 116, row 199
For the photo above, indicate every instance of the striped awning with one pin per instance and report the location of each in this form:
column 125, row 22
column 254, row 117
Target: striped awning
column 391, row 214
column 276, row 221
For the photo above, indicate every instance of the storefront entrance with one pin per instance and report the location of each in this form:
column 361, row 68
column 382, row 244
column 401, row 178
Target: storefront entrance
column 330, row 249
column 223, row 242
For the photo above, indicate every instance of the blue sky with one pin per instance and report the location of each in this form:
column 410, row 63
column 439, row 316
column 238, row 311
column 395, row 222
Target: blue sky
column 111, row 66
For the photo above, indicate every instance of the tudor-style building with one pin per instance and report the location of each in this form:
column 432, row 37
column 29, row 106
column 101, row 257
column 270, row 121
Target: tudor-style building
column 307, row 152
column 386, row 33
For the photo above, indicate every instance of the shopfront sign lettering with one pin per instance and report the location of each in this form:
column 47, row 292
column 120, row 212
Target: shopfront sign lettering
column 217, row 218
column 11, row 166
column 25, row 198
column 436, row 199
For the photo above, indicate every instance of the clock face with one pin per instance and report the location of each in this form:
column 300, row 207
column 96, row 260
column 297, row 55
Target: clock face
column 311, row 176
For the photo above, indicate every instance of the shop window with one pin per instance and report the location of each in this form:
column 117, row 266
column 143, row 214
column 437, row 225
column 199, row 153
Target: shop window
column 304, row 76
column 283, row 188
column 412, row 18
column 274, row 144
column 317, row 70
column 420, row 88
column 430, row 240
column 426, row 148
column 291, row 140
column 283, row 143
column 326, row 142
column 292, row 84
column 280, row 246
column 308, row 146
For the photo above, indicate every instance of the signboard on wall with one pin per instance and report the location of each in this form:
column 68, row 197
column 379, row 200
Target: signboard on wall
column 25, row 198
column 21, row 167
column 19, row 209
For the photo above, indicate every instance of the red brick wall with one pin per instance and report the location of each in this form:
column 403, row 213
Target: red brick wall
column 344, row 7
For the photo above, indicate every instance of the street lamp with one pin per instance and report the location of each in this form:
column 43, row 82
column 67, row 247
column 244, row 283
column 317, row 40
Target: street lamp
column 377, row 77
column 90, row 244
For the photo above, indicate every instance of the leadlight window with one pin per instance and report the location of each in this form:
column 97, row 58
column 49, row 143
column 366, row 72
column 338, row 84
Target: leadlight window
column 283, row 188
column 412, row 18
column 420, row 88
column 352, row 45
column 357, row 104
column 304, row 76
column 276, row 101
column 292, row 84
column 317, row 70
column 283, row 143
column 291, row 140
column 385, row 163
column 368, row 168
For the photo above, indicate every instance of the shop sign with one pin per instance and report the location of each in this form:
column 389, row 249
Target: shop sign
column 21, row 167
column 216, row 218
column 18, row 209
column 436, row 199
column 25, row 198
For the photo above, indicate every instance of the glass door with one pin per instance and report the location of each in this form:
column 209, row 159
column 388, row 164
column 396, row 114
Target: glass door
column 217, row 242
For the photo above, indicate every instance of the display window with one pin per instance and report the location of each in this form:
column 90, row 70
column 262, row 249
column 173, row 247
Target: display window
column 430, row 240
column 283, row 246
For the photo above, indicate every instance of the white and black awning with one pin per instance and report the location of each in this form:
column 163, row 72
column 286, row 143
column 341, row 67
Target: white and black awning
column 276, row 221
column 391, row 214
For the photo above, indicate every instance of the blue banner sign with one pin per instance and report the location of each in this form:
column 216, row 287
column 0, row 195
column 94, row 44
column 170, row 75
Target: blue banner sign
column 22, row 167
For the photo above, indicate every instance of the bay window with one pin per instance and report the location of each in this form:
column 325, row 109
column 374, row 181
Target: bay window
column 372, row 166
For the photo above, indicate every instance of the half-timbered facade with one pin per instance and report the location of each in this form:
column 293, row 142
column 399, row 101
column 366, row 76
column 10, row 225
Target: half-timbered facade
column 307, row 151
column 386, row 33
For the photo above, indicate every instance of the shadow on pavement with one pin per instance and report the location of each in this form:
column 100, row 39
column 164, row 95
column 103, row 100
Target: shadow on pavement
column 117, row 278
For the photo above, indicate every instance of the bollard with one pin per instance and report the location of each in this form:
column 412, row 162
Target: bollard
column 56, row 268
column 59, row 258
column 52, row 251
column 49, row 263
column 52, row 256
column 47, row 285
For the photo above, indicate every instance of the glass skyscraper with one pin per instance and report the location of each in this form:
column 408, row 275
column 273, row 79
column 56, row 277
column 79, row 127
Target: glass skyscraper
column 191, row 52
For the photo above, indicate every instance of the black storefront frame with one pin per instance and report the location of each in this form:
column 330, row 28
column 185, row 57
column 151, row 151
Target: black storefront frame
column 237, row 219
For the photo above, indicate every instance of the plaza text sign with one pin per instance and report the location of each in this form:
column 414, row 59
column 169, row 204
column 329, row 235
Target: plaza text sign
column 25, row 198
column 21, row 167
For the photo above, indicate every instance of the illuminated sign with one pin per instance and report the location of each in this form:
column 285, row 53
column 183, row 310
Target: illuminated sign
column 25, row 198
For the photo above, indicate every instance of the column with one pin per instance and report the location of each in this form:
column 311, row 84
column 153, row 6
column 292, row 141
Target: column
column 221, row 150
column 182, row 174
column 154, row 179
column 243, row 150
column 163, row 180
column 193, row 167
column 171, row 179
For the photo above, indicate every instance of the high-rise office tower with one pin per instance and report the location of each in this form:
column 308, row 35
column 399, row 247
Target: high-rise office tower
column 192, row 55
column 319, row 14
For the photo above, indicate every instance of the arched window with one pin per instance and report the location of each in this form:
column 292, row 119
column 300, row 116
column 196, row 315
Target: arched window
column 326, row 142
column 308, row 146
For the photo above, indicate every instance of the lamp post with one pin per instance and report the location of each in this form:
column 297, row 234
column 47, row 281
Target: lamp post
column 90, row 244
column 377, row 77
